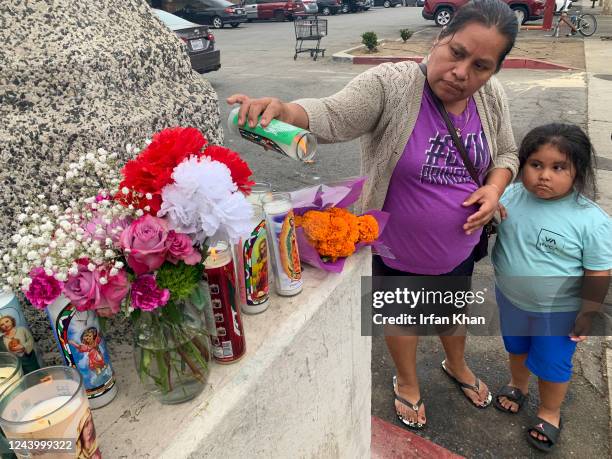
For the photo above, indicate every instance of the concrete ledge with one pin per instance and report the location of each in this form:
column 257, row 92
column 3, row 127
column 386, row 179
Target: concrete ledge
column 302, row 390
column 509, row 63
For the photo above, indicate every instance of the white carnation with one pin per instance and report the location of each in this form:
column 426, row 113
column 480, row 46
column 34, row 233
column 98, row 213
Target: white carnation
column 204, row 202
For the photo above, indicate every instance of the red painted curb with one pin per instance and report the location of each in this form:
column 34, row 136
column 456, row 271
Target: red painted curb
column 509, row 63
column 392, row 442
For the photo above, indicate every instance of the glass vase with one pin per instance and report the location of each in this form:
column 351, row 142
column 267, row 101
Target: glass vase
column 172, row 352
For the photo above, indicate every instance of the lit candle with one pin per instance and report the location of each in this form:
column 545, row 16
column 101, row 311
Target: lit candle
column 229, row 345
column 50, row 404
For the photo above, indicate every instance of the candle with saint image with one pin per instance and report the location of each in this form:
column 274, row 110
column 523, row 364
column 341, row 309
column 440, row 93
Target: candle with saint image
column 229, row 344
column 283, row 244
column 50, row 404
column 10, row 369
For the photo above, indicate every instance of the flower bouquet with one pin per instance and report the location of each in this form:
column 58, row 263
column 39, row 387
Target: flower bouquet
column 327, row 233
column 135, row 245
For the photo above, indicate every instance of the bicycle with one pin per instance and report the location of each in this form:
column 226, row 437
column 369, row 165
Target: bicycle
column 583, row 23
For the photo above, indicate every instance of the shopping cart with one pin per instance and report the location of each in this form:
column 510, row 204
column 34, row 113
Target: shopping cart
column 309, row 28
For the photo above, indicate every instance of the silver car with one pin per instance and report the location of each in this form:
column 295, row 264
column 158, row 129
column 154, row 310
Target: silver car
column 310, row 6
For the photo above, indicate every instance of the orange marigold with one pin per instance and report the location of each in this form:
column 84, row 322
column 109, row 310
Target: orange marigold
column 368, row 228
column 334, row 231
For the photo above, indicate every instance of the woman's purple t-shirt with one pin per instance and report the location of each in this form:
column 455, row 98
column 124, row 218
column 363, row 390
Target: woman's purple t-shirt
column 425, row 231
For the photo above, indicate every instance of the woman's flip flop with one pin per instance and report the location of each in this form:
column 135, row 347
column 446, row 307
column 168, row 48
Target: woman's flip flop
column 473, row 387
column 416, row 425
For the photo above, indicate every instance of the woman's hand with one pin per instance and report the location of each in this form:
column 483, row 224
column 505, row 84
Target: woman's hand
column 487, row 197
column 503, row 213
column 268, row 107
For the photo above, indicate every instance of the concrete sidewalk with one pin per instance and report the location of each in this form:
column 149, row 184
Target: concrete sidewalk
column 535, row 97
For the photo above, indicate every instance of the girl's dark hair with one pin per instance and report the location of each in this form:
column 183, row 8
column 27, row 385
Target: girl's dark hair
column 570, row 140
column 489, row 13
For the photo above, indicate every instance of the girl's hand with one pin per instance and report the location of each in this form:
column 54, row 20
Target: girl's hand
column 582, row 327
column 487, row 197
column 268, row 107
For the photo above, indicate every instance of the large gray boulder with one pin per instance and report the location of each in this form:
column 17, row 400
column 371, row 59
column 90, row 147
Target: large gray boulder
column 79, row 75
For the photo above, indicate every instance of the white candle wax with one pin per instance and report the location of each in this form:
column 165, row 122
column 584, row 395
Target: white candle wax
column 277, row 207
column 6, row 372
column 46, row 411
column 217, row 257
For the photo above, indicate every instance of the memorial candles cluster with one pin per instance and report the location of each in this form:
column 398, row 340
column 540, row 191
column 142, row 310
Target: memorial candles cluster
column 47, row 413
column 229, row 344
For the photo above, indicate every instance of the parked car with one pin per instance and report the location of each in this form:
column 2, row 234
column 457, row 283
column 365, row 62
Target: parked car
column 441, row 11
column 200, row 43
column 353, row 6
column 310, row 6
column 273, row 9
column 327, row 7
column 388, row 3
column 216, row 13
column 420, row 3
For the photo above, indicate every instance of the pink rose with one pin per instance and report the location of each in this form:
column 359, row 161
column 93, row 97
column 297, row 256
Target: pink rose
column 145, row 241
column 111, row 230
column 43, row 289
column 112, row 293
column 83, row 288
column 146, row 294
column 180, row 247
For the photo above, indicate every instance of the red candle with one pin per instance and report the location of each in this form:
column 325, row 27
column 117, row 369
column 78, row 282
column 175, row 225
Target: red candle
column 229, row 345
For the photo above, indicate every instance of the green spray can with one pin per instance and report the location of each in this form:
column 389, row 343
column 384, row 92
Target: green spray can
column 288, row 140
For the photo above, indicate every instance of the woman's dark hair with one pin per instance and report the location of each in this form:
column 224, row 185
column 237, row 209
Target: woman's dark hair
column 489, row 13
column 570, row 140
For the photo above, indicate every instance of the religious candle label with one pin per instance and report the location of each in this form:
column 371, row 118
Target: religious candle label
column 256, row 265
column 16, row 336
column 288, row 268
column 229, row 344
column 81, row 344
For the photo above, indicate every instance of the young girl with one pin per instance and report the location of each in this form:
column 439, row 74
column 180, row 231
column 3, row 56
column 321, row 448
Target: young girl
column 552, row 242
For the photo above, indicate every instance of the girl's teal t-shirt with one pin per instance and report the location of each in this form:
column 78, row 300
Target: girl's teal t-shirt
column 543, row 247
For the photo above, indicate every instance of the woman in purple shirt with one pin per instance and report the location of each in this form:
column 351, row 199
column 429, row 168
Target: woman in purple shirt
column 416, row 173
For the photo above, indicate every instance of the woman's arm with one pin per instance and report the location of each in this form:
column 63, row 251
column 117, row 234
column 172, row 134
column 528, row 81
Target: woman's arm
column 346, row 115
column 269, row 108
column 504, row 169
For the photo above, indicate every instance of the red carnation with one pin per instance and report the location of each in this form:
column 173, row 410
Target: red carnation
column 240, row 170
column 152, row 169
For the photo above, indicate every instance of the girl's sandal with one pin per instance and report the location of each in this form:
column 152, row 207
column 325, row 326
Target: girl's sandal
column 473, row 387
column 546, row 429
column 513, row 394
column 416, row 425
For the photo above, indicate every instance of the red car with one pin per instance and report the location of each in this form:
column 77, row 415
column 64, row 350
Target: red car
column 441, row 11
column 272, row 9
